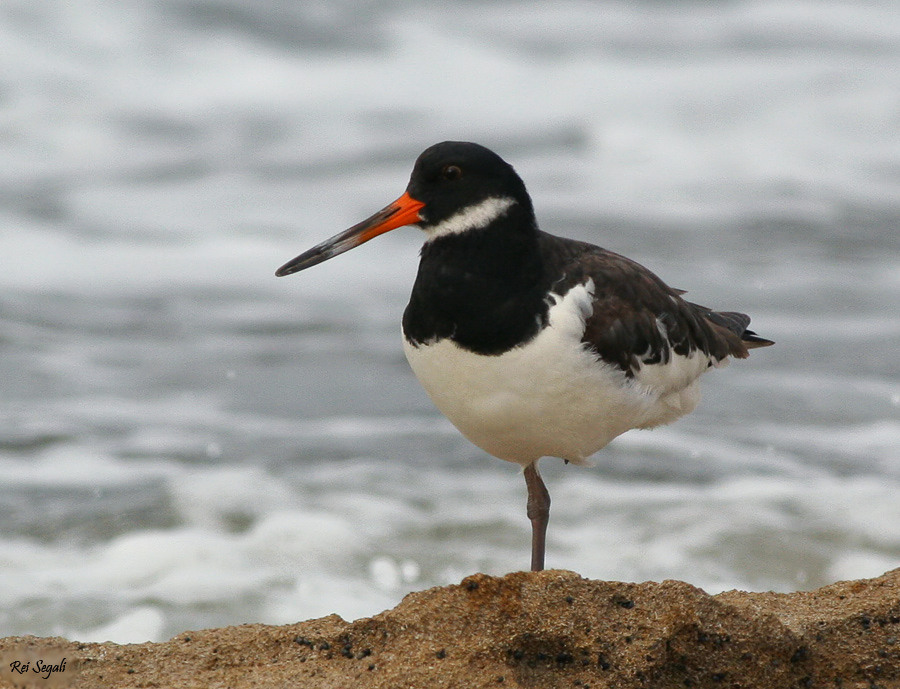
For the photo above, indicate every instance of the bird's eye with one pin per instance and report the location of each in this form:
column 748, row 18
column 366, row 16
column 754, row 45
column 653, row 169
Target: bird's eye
column 451, row 172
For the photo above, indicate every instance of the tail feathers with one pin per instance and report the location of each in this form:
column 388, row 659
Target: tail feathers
column 731, row 320
column 737, row 323
column 751, row 340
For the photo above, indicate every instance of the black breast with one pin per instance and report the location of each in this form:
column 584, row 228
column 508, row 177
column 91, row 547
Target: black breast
column 484, row 290
column 489, row 292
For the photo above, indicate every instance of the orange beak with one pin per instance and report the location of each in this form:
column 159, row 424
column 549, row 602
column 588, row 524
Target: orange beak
column 403, row 211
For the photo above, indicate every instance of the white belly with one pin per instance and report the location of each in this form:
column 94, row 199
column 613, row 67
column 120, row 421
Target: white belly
column 551, row 397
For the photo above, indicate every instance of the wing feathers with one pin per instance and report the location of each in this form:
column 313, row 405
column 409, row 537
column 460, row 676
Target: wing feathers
column 639, row 320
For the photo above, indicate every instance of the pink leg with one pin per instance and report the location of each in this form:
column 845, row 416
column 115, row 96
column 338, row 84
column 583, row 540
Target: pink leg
column 538, row 510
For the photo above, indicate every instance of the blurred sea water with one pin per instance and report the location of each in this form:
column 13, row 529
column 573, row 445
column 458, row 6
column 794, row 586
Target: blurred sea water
column 187, row 441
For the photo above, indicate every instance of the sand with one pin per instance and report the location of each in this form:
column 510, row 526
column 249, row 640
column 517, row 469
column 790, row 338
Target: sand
column 542, row 630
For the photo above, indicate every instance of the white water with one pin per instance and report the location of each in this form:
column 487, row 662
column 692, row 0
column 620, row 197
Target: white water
column 187, row 441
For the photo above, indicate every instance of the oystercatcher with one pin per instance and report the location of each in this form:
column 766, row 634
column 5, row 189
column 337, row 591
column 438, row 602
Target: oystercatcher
column 535, row 345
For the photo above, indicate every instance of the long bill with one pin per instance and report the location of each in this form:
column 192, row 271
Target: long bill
column 403, row 211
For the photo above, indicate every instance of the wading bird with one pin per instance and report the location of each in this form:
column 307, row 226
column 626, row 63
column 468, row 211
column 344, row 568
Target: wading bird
column 535, row 345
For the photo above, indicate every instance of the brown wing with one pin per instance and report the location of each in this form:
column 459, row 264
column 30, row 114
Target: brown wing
column 637, row 318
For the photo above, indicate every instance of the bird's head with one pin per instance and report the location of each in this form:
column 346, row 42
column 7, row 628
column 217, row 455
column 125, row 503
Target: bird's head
column 455, row 187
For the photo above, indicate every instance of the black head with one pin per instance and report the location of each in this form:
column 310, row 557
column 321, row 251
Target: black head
column 454, row 176
column 455, row 187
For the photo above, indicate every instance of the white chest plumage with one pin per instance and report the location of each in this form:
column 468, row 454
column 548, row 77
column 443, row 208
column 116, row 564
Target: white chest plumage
column 552, row 396
column 544, row 394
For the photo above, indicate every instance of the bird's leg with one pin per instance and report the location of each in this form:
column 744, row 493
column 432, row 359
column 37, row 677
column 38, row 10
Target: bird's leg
column 538, row 510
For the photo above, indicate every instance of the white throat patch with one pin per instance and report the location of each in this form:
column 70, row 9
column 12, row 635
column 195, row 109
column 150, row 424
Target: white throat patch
column 473, row 217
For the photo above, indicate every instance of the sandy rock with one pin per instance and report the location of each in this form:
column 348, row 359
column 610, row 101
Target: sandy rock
column 543, row 630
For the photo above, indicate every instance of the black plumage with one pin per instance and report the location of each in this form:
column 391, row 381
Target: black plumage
column 487, row 290
column 481, row 333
